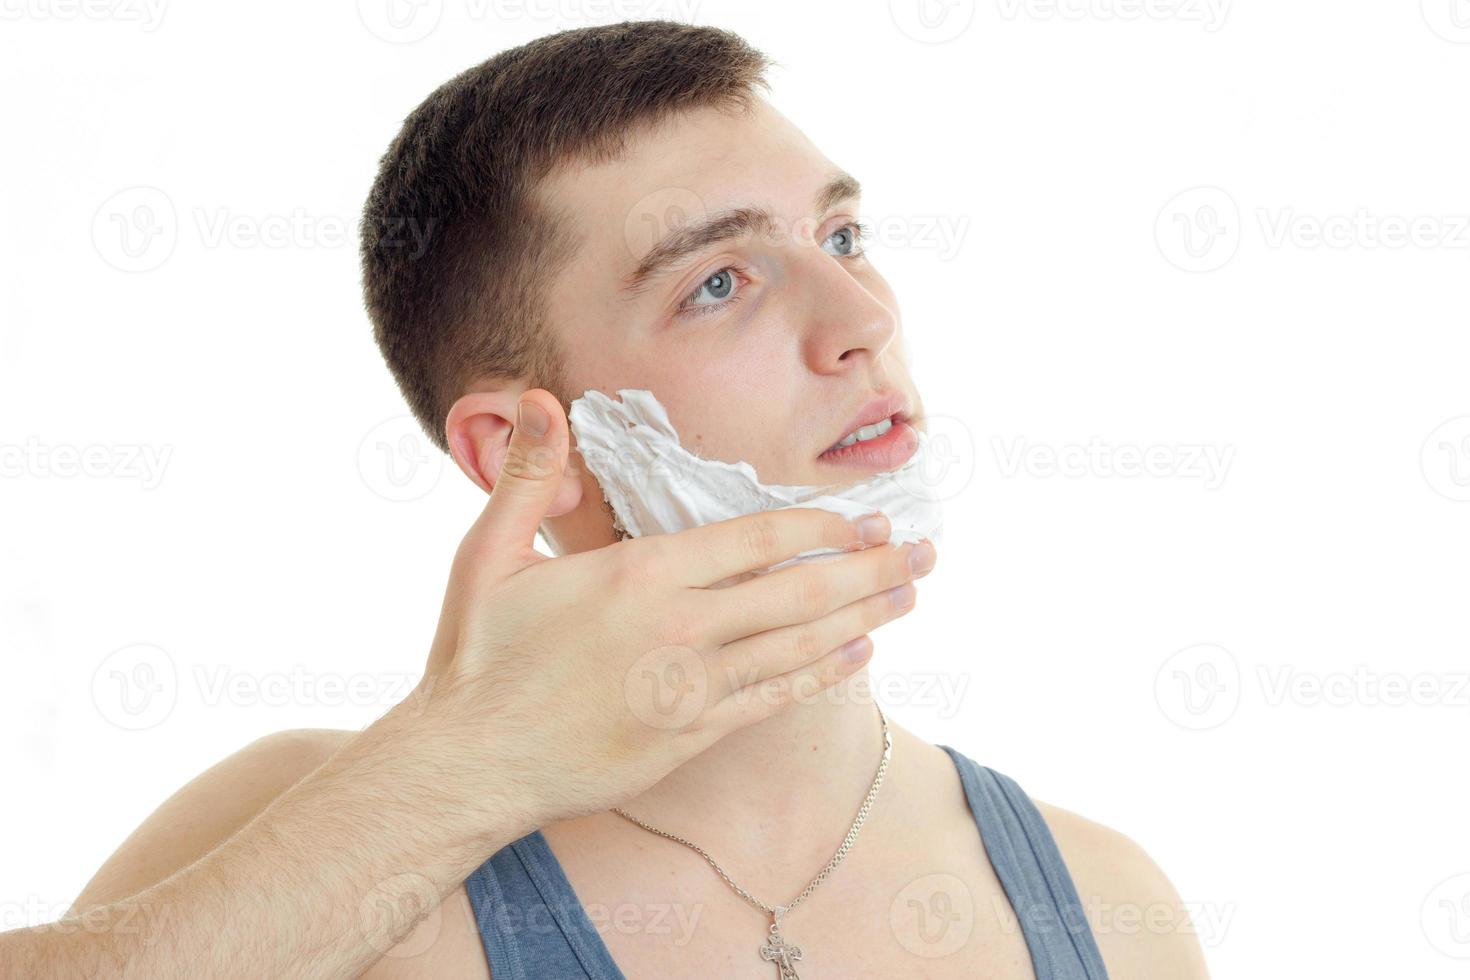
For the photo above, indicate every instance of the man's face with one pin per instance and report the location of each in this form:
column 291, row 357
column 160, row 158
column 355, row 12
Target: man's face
column 769, row 346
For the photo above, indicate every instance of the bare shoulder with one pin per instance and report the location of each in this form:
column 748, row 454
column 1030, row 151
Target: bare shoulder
column 1142, row 927
column 209, row 809
column 214, row 805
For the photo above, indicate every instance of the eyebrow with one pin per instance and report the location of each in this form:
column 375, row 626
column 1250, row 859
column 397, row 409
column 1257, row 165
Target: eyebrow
column 725, row 225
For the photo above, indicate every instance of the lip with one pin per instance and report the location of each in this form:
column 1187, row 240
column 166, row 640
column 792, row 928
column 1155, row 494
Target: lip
column 888, row 451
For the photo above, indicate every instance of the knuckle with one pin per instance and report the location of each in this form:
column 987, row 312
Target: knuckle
column 812, row 595
column 874, row 611
column 838, row 532
column 536, row 462
column 805, row 645
column 880, row 611
column 681, row 629
column 641, row 568
column 901, row 570
column 776, row 695
column 760, row 539
column 887, row 574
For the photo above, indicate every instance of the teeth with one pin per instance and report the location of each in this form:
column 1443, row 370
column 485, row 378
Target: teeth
column 866, row 432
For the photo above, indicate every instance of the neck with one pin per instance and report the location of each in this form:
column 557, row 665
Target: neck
column 779, row 794
column 779, row 788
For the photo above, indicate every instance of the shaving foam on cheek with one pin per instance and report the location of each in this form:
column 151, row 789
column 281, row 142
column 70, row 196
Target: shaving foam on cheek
column 656, row 486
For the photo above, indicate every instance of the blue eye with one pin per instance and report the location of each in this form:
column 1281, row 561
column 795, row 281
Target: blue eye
column 718, row 291
column 849, row 238
column 718, row 287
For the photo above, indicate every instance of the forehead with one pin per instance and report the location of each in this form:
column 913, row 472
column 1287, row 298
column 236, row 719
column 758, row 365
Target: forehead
column 679, row 170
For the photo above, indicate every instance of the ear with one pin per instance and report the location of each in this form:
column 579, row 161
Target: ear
column 478, row 430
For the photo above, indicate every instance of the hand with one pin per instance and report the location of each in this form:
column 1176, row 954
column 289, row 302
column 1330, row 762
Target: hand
column 577, row 682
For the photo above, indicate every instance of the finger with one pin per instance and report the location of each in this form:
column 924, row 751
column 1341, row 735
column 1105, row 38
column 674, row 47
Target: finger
column 807, row 591
column 711, row 553
column 505, row 532
column 761, row 700
column 775, row 652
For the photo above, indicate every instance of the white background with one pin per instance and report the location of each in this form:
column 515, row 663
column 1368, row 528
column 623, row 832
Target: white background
column 1099, row 219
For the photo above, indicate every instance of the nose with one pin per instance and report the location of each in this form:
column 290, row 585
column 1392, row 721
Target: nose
column 846, row 323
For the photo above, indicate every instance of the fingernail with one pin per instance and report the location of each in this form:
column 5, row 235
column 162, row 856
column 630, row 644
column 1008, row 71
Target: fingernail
column 873, row 529
column 854, row 650
column 532, row 418
column 921, row 559
column 903, row 595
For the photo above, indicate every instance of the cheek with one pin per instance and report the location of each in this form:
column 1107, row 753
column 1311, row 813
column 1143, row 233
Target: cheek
column 733, row 386
column 728, row 361
column 730, row 409
column 708, row 406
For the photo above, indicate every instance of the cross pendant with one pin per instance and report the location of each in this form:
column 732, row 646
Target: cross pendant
column 777, row 950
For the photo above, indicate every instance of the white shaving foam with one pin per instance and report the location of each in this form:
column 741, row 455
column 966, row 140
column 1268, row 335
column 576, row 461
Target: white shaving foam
column 656, row 486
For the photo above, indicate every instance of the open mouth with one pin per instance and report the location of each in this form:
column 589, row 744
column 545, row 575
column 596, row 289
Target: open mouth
column 884, row 444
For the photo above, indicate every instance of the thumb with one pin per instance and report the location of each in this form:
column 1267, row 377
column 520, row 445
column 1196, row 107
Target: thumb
column 535, row 459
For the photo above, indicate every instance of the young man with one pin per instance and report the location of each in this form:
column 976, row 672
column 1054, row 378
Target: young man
column 611, row 208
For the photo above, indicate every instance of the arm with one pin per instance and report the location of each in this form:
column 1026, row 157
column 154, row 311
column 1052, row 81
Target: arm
column 527, row 714
column 212, row 807
column 319, row 882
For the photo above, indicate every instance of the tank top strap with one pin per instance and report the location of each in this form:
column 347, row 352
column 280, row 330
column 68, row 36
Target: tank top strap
column 1030, row 868
column 531, row 922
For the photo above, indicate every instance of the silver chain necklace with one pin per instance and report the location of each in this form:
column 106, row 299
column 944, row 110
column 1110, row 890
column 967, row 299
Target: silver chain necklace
column 776, row 949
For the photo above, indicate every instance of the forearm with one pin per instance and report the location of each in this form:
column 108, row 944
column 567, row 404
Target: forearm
column 319, row 884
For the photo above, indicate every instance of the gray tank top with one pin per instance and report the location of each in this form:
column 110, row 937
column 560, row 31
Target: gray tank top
column 534, row 927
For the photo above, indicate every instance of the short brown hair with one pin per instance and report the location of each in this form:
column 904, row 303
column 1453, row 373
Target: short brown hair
column 457, row 255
